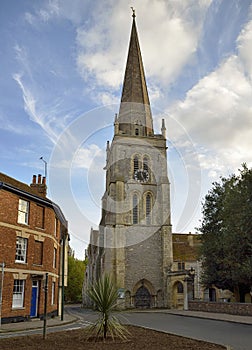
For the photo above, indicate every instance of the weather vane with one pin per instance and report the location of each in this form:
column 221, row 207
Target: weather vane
column 133, row 12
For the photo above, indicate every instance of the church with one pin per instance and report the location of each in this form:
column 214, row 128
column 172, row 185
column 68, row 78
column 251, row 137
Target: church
column 151, row 266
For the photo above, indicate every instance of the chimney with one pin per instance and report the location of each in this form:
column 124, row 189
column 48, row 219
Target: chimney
column 190, row 239
column 34, row 179
column 39, row 187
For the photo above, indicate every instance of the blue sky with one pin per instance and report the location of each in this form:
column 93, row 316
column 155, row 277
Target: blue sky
column 62, row 64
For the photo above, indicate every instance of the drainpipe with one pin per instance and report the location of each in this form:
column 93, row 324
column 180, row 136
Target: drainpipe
column 45, row 305
column 1, row 293
column 63, row 277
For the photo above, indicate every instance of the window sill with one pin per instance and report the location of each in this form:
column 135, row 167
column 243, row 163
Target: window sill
column 18, row 308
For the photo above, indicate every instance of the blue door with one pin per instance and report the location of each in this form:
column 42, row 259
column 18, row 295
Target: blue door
column 34, row 299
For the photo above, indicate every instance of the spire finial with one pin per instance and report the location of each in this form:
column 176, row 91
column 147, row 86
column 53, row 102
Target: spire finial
column 133, row 12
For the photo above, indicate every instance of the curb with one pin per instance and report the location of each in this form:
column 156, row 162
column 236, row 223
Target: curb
column 211, row 318
column 3, row 331
column 207, row 317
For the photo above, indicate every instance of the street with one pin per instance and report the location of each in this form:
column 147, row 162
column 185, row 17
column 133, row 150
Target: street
column 238, row 336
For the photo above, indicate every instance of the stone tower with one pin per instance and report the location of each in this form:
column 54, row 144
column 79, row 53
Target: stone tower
column 135, row 235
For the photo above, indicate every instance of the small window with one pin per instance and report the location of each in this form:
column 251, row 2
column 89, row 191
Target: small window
column 23, row 211
column 56, row 223
column 54, row 257
column 145, row 164
column 136, row 131
column 18, row 294
column 135, row 209
column 38, row 253
column 136, row 164
column 181, row 266
column 148, row 209
column 180, row 288
column 21, row 250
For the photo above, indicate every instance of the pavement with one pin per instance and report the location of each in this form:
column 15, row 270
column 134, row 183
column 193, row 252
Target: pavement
column 71, row 318
column 212, row 316
column 37, row 324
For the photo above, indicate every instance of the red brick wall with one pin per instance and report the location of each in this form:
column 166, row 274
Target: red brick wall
column 8, row 207
column 8, row 233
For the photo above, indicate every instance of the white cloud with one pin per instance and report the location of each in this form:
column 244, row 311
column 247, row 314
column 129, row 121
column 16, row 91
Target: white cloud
column 217, row 112
column 169, row 32
column 51, row 10
column 170, row 36
column 87, row 157
column 30, row 18
column 73, row 11
column 43, row 118
column 8, row 125
column 245, row 48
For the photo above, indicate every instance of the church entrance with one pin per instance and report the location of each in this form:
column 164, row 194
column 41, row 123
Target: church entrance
column 142, row 298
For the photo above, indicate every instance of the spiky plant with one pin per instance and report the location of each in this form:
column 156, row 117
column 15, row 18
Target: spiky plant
column 104, row 294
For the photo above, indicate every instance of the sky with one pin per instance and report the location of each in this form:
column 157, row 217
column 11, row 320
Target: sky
column 62, row 64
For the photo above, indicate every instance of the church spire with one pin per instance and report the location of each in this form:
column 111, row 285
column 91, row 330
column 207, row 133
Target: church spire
column 135, row 111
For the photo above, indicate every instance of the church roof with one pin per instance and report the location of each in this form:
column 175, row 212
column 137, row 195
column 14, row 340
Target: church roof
column 135, row 104
column 185, row 247
column 134, row 86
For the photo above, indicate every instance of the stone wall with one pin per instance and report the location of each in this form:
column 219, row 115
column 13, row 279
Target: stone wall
column 244, row 309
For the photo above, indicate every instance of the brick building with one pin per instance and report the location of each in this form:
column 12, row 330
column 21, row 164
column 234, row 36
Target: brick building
column 33, row 243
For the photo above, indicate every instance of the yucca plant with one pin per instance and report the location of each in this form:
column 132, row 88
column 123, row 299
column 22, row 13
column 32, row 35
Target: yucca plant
column 104, row 294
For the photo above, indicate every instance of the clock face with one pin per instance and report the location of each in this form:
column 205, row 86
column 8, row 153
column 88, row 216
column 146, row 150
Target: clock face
column 141, row 175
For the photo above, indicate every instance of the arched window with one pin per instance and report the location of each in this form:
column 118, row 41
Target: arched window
column 135, row 209
column 180, row 288
column 136, row 131
column 145, row 164
column 136, row 164
column 148, row 209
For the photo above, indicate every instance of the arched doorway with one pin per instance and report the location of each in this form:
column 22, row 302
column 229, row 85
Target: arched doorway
column 178, row 295
column 142, row 298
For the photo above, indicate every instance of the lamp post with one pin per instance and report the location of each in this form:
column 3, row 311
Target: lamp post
column 192, row 276
column 186, row 279
column 64, row 236
column 189, row 279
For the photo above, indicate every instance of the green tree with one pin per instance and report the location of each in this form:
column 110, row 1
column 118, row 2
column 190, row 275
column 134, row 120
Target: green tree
column 104, row 295
column 227, row 234
column 76, row 272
